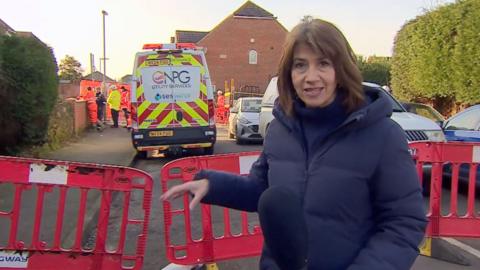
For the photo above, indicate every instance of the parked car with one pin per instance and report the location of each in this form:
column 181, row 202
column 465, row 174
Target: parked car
column 266, row 116
column 243, row 120
column 416, row 127
column 425, row 111
column 463, row 127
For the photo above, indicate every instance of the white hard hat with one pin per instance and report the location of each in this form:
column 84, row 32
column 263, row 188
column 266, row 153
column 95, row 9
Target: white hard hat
column 113, row 87
column 219, row 92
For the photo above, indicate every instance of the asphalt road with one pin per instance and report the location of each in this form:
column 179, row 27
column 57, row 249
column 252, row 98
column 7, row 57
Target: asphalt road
column 155, row 257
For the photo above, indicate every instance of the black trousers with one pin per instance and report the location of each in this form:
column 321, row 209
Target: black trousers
column 100, row 112
column 284, row 229
column 114, row 117
column 126, row 114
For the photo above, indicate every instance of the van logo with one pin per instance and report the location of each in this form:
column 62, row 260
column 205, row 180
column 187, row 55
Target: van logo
column 159, row 77
column 173, row 77
column 172, row 83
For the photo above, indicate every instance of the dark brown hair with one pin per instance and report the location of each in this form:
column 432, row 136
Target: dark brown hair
column 325, row 39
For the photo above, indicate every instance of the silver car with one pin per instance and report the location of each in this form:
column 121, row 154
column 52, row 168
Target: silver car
column 416, row 127
column 244, row 118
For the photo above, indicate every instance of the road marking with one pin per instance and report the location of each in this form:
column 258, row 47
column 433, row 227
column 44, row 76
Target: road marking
column 173, row 266
column 463, row 246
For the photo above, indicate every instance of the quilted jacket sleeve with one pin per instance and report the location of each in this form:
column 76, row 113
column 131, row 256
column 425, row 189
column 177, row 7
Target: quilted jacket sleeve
column 236, row 191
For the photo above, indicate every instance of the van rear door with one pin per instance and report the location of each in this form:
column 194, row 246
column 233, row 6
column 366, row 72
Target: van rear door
column 171, row 91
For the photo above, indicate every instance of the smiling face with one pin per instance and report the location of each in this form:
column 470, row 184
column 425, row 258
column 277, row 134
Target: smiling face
column 313, row 77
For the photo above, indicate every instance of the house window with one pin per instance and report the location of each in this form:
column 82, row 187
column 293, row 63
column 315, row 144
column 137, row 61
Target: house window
column 252, row 57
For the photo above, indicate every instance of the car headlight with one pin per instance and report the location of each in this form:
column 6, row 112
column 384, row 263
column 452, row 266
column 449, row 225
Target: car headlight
column 435, row 135
column 138, row 136
column 243, row 121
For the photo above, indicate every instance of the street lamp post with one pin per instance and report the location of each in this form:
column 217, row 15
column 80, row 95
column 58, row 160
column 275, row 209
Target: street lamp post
column 104, row 13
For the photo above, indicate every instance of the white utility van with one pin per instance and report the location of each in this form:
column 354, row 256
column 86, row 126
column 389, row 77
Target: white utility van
column 172, row 100
column 417, row 128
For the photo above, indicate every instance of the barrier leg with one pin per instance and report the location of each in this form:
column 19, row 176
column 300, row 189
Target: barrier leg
column 442, row 249
column 211, row 266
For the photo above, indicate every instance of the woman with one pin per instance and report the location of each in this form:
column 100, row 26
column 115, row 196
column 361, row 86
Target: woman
column 332, row 158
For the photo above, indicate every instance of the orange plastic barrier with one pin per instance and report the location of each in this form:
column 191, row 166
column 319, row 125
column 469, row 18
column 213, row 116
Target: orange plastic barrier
column 84, row 84
column 443, row 157
column 209, row 247
column 40, row 199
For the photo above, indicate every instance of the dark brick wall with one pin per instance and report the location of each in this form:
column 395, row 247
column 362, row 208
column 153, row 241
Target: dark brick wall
column 228, row 47
column 68, row 90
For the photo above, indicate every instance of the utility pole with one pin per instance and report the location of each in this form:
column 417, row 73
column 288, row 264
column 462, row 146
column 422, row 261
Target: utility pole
column 104, row 13
column 92, row 63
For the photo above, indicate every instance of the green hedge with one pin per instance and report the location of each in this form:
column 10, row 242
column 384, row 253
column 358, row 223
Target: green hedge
column 437, row 55
column 29, row 83
column 375, row 69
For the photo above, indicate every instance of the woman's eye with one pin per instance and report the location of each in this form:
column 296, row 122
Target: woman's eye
column 298, row 65
column 325, row 63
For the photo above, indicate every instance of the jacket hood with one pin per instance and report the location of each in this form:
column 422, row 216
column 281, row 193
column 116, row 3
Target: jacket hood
column 377, row 106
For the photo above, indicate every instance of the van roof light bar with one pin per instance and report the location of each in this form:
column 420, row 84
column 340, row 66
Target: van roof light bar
column 170, row 46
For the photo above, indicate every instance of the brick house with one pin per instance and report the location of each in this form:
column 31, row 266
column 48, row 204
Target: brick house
column 97, row 76
column 5, row 29
column 246, row 47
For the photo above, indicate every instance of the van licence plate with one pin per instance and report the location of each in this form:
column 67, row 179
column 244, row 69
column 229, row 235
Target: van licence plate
column 161, row 133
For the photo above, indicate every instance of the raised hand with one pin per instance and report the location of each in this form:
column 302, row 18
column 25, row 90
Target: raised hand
column 197, row 188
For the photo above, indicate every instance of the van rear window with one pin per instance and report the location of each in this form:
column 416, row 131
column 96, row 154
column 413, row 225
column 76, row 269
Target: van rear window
column 171, row 83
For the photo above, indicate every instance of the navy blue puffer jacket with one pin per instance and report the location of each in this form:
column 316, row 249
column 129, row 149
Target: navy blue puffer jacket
column 361, row 195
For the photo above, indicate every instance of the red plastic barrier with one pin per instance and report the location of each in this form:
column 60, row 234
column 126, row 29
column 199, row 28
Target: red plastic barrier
column 440, row 156
column 26, row 185
column 209, row 247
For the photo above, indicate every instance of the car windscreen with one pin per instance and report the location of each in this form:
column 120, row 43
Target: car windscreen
column 251, row 105
column 395, row 104
column 425, row 111
column 271, row 93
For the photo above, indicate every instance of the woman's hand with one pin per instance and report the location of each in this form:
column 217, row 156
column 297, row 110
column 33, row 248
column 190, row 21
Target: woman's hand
column 197, row 188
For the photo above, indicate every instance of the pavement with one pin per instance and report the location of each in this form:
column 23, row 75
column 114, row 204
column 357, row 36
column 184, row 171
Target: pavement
column 112, row 146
